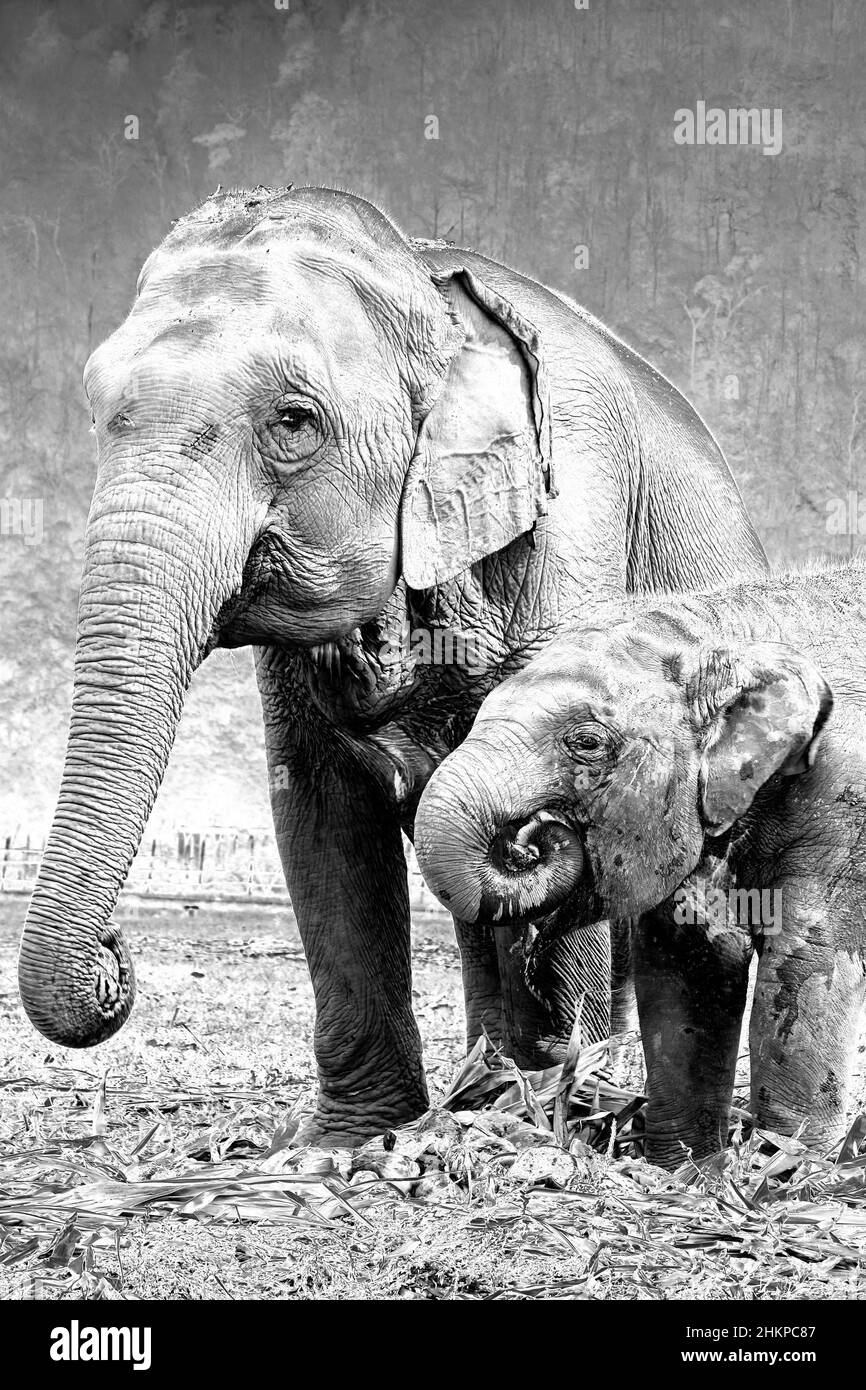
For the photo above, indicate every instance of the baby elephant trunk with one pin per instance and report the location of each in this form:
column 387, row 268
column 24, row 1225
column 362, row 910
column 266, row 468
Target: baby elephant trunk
column 488, row 850
column 532, row 866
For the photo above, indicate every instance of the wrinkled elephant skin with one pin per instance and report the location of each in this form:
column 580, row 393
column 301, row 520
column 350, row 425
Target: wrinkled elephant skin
column 704, row 780
column 323, row 438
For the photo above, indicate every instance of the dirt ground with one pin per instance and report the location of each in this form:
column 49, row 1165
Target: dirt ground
column 217, row 1052
column 224, row 994
column 224, row 1001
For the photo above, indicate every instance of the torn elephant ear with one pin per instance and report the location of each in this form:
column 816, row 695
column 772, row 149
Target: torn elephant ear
column 481, row 474
column 760, row 711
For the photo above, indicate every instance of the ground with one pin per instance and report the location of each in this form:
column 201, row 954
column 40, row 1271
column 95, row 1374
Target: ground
column 159, row 1165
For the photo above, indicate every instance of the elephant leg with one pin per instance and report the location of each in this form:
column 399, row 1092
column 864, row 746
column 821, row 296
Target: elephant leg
column 346, row 875
column 805, row 1018
column 482, row 986
column 539, row 1005
column 691, row 990
column 342, row 854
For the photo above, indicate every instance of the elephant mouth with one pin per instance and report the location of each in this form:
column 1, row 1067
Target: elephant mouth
column 367, row 674
column 253, row 613
column 534, row 866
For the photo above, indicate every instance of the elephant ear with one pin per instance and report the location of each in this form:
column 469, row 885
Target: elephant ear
column 758, row 711
column 481, row 472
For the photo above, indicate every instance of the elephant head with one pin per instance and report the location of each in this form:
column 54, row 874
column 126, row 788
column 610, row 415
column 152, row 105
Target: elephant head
column 295, row 415
column 593, row 776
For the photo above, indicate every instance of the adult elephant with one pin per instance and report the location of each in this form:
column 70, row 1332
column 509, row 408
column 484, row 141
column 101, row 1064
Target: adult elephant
column 322, row 438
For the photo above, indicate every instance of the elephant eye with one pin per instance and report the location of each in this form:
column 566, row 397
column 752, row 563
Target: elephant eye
column 294, row 417
column 587, row 739
column 296, row 429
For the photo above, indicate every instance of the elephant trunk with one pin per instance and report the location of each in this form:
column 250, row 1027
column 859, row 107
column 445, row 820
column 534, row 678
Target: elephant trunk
column 489, row 849
column 140, row 638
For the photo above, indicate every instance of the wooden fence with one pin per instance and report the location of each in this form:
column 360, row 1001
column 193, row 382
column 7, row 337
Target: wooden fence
column 209, row 864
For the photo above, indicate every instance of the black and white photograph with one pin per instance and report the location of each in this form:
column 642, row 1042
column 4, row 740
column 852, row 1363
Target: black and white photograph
column 433, row 663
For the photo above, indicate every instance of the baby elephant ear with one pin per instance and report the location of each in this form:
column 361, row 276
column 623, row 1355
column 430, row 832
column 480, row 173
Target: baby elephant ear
column 481, row 472
column 758, row 711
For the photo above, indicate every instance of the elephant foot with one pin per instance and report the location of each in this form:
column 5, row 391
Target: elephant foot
column 324, row 1131
column 316, row 1134
column 693, row 1140
column 538, row 1054
column 818, row 1132
column 330, row 1140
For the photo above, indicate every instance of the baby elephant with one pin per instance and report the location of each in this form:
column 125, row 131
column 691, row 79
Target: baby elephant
column 699, row 764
